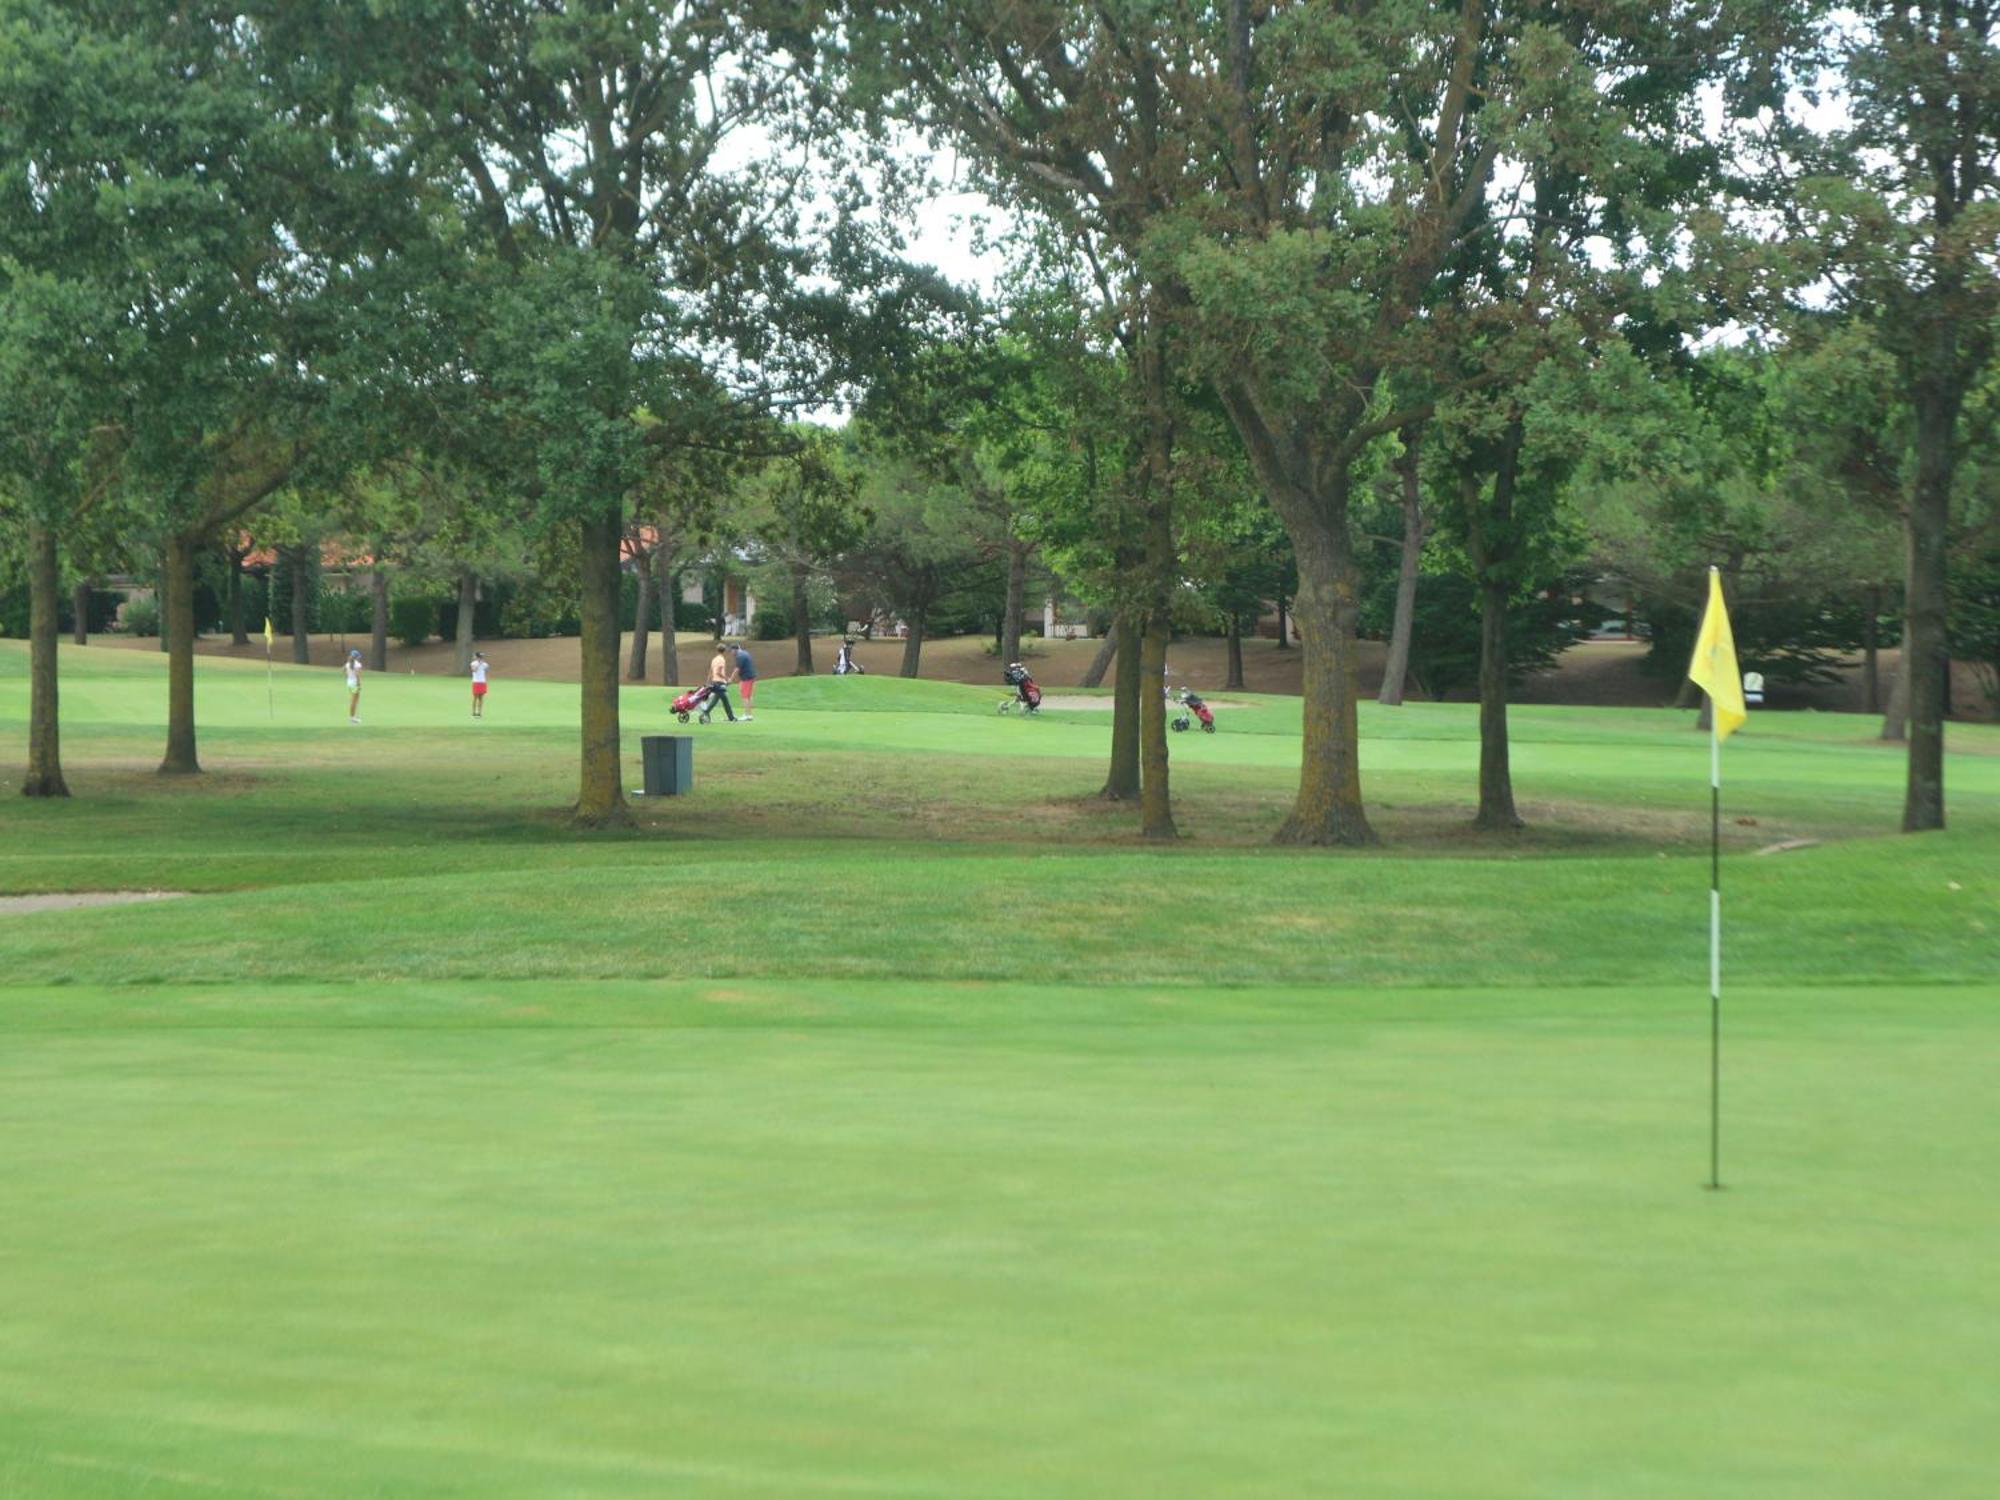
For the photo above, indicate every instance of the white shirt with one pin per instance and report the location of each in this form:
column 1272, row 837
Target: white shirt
column 354, row 674
column 479, row 671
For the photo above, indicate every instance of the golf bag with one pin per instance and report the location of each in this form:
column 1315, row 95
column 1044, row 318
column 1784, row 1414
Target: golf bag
column 702, row 698
column 1192, row 704
column 844, row 663
column 1027, row 697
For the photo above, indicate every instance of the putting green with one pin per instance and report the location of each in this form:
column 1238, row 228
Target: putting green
column 882, row 1121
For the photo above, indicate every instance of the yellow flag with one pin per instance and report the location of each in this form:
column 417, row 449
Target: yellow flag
column 1714, row 669
column 267, row 632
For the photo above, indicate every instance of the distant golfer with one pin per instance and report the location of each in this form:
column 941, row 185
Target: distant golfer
column 844, row 662
column 354, row 687
column 746, row 679
column 479, row 670
column 718, row 681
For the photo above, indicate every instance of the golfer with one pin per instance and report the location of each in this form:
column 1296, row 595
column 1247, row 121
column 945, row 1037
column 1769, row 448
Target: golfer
column 746, row 679
column 354, row 687
column 479, row 670
column 718, row 681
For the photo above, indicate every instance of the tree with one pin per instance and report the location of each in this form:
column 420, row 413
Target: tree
column 235, row 235
column 804, row 515
column 1060, row 110
column 1409, row 555
column 1896, row 224
column 632, row 289
column 919, row 542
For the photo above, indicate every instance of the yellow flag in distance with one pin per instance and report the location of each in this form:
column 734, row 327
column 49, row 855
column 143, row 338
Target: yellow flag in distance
column 1714, row 668
column 267, row 632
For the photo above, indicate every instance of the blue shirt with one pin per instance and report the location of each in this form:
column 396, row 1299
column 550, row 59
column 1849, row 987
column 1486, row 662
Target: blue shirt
column 745, row 668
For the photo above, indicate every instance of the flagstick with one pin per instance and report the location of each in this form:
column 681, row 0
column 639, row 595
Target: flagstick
column 270, row 705
column 1714, row 950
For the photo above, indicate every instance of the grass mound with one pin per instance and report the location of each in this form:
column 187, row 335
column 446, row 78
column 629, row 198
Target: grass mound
column 883, row 1120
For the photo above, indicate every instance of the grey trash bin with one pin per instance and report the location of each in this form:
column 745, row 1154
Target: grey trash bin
column 668, row 762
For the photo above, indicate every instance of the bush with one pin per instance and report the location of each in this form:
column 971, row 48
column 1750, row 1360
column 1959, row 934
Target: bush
column 256, row 603
column 307, row 559
column 693, row 615
column 140, row 617
column 533, row 612
column 346, row 611
column 103, row 610
column 412, row 621
column 773, row 622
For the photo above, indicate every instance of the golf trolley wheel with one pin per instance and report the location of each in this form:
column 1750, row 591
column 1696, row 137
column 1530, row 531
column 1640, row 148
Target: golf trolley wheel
column 1005, row 706
column 704, row 718
column 682, row 716
column 1180, row 726
column 1208, row 729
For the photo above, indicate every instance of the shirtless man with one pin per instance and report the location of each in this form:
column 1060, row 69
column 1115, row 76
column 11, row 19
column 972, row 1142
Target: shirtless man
column 718, row 682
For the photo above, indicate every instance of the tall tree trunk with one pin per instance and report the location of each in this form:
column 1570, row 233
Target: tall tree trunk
column 1156, row 808
column 1121, row 784
column 378, row 619
column 1233, row 683
column 1490, row 538
column 642, row 620
column 1395, row 676
column 1871, row 677
column 464, row 636
column 913, row 644
column 1927, row 652
column 45, row 777
column 600, row 800
column 1284, row 634
column 239, row 628
column 177, row 625
column 1328, row 809
column 664, row 592
column 1496, row 780
column 79, row 605
column 1093, row 675
column 1017, row 591
column 802, row 630
column 1896, row 717
column 301, row 609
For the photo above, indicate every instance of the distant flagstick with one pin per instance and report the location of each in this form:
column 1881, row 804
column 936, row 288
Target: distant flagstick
column 1714, row 950
column 1714, row 670
column 270, row 703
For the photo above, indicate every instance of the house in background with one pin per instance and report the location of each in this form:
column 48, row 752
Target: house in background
column 738, row 606
column 1064, row 618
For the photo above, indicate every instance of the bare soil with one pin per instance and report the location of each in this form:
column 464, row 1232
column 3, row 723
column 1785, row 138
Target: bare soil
column 1595, row 673
column 63, row 900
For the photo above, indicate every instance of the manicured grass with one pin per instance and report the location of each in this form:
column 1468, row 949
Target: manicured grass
column 884, row 1120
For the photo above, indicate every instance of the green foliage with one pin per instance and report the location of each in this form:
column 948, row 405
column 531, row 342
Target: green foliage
column 140, row 616
column 774, row 620
column 692, row 614
column 349, row 611
column 413, row 618
column 1544, row 619
column 1975, row 616
column 535, row 610
column 295, row 566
